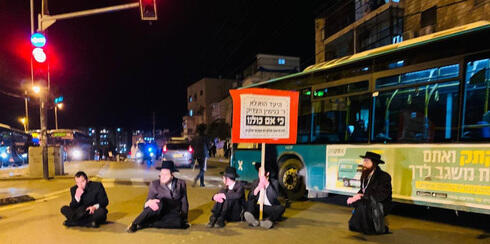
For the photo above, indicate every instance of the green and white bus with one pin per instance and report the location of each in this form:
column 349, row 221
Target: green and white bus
column 421, row 103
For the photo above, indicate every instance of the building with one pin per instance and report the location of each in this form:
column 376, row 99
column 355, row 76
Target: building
column 347, row 27
column 266, row 67
column 200, row 96
column 105, row 140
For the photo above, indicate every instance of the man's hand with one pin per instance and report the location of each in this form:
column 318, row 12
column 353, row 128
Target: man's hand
column 219, row 197
column 153, row 204
column 354, row 198
column 79, row 193
column 91, row 209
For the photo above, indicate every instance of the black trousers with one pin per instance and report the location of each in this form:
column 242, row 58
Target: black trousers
column 200, row 176
column 80, row 217
column 273, row 212
column 229, row 210
column 164, row 217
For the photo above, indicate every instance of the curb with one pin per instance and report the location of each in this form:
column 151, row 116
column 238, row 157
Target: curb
column 16, row 199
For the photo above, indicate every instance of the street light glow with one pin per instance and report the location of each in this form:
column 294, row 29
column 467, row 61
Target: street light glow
column 36, row 89
column 60, row 105
column 22, row 120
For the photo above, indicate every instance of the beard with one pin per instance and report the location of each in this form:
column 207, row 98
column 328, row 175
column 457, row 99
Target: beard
column 367, row 171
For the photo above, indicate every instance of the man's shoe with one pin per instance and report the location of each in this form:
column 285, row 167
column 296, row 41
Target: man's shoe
column 220, row 223
column 93, row 224
column 131, row 228
column 212, row 221
column 266, row 224
column 250, row 218
column 68, row 223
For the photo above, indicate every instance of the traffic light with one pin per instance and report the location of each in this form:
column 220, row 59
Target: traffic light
column 148, row 9
column 38, row 40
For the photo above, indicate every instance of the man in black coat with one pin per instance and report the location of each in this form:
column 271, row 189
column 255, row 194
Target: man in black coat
column 201, row 152
column 88, row 203
column 166, row 205
column 373, row 201
column 273, row 209
column 229, row 200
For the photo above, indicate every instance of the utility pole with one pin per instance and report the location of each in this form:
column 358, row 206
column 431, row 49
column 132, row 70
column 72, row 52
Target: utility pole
column 27, row 111
column 44, row 116
column 153, row 125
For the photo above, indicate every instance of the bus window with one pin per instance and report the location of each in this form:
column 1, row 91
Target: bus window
column 433, row 74
column 338, row 120
column 304, row 116
column 417, row 114
column 476, row 118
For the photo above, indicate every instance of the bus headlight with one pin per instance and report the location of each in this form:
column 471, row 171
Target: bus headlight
column 76, row 154
column 4, row 155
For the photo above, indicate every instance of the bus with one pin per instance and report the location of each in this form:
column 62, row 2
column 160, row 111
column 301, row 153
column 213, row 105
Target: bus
column 421, row 103
column 76, row 144
column 14, row 146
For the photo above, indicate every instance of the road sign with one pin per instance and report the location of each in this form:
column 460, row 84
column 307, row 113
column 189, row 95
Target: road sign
column 58, row 100
column 264, row 116
column 38, row 40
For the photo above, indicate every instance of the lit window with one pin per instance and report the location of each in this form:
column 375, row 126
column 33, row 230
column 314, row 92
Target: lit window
column 191, row 112
column 281, row 61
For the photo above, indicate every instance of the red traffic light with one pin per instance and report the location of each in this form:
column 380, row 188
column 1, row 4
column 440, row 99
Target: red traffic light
column 39, row 55
column 148, row 9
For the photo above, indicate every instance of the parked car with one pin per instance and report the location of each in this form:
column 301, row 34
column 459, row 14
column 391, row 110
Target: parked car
column 180, row 152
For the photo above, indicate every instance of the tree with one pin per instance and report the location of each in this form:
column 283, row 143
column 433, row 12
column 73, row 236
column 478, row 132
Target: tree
column 219, row 128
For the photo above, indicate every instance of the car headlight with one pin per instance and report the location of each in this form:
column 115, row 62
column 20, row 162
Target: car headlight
column 24, row 155
column 4, row 155
column 76, row 154
column 139, row 155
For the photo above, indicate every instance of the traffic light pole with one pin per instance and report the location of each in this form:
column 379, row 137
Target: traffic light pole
column 44, row 20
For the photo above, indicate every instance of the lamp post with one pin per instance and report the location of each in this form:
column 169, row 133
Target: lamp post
column 58, row 106
column 23, row 120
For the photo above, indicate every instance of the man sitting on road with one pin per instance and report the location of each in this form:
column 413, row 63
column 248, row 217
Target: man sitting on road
column 166, row 205
column 373, row 201
column 88, row 203
column 273, row 209
column 229, row 200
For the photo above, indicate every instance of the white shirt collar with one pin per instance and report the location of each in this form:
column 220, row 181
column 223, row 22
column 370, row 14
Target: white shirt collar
column 230, row 187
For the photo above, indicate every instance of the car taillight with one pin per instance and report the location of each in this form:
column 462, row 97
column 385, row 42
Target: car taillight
column 190, row 149
column 165, row 148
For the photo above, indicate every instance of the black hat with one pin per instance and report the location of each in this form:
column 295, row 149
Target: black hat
column 230, row 172
column 168, row 165
column 376, row 158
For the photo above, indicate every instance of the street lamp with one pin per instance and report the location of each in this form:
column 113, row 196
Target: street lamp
column 23, row 120
column 36, row 89
column 58, row 106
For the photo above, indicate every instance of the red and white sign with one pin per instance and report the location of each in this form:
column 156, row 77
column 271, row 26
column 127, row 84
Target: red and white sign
column 264, row 116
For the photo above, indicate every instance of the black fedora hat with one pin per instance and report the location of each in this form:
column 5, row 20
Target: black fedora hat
column 230, row 172
column 376, row 158
column 168, row 165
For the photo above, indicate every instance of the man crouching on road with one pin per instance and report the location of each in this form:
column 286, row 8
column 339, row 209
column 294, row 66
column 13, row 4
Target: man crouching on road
column 229, row 200
column 273, row 209
column 88, row 203
column 166, row 205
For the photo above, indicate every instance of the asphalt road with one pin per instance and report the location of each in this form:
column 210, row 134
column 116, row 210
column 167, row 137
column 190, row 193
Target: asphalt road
column 319, row 221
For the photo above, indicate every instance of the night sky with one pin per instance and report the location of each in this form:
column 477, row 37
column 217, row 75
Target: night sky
column 115, row 70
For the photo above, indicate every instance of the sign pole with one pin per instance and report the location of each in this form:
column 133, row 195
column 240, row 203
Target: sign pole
column 262, row 192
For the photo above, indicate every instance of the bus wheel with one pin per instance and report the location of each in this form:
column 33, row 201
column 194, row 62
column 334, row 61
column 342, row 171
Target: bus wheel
column 290, row 180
